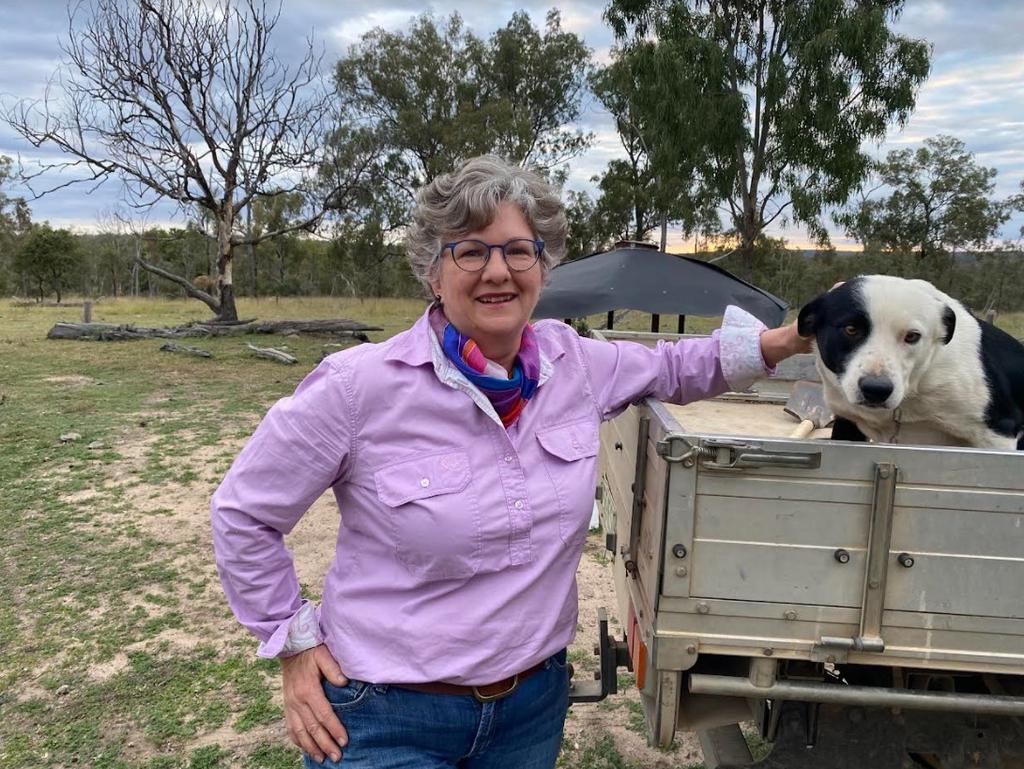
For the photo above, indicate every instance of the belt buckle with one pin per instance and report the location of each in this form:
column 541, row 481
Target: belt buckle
column 484, row 698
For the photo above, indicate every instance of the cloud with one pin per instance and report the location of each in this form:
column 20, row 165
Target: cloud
column 964, row 26
column 349, row 31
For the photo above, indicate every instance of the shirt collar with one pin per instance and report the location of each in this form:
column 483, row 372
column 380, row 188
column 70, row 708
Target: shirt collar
column 412, row 347
column 416, row 347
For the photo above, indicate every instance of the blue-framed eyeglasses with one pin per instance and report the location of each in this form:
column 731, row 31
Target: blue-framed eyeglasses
column 520, row 254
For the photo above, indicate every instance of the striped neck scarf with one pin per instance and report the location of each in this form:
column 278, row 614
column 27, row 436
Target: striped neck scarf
column 508, row 394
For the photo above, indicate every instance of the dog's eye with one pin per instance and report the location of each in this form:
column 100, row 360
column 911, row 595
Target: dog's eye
column 851, row 330
column 912, row 337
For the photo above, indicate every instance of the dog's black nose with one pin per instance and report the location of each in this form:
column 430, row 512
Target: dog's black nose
column 875, row 388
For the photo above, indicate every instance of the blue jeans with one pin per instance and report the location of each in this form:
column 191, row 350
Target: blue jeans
column 390, row 727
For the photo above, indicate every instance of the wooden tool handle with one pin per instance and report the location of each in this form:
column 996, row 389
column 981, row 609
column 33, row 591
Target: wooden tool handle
column 804, row 429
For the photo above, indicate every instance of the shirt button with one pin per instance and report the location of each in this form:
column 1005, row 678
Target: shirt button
column 424, row 482
column 508, row 457
column 518, row 504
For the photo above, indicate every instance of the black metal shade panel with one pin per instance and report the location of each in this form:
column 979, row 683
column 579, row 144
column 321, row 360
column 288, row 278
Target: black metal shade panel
column 649, row 280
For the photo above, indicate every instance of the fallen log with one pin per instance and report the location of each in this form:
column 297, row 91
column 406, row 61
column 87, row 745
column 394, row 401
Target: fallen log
column 172, row 347
column 340, row 326
column 111, row 331
column 272, row 354
column 227, row 326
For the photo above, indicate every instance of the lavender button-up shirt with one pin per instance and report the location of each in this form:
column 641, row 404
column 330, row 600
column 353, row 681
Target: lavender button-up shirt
column 459, row 540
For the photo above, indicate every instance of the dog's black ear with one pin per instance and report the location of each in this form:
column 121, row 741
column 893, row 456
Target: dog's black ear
column 810, row 313
column 949, row 321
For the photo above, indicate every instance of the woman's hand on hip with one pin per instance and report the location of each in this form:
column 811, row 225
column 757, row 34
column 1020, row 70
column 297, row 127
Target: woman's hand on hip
column 309, row 717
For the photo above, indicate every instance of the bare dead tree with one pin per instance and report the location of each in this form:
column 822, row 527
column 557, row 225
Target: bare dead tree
column 185, row 100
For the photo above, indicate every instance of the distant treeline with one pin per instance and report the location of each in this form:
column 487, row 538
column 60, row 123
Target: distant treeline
column 104, row 265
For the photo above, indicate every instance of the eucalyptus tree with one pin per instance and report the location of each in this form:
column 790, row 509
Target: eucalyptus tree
column 587, row 234
column 643, row 189
column 932, row 202
column 435, row 94
column 629, row 186
column 48, row 260
column 531, row 85
column 770, row 101
column 186, row 101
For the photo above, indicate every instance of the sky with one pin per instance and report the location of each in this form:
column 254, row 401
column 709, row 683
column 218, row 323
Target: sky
column 975, row 91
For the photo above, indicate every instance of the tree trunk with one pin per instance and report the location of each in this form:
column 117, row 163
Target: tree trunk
column 748, row 236
column 254, row 291
column 228, row 313
column 746, row 254
column 227, row 290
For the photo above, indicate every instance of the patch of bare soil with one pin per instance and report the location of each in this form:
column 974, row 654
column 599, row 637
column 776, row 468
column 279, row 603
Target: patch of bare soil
column 239, row 743
column 104, row 671
column 617, row 715
column 72, row 380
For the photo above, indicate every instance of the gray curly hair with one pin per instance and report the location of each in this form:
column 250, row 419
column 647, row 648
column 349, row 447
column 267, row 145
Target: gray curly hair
column 467, row 199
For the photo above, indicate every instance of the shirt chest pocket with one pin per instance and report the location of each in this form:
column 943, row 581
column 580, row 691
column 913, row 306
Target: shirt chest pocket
column 435, row 515
column 571, row 463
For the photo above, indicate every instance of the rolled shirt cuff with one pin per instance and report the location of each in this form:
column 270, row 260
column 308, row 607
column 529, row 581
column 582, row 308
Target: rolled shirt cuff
column 739, row 342
column 299, row 633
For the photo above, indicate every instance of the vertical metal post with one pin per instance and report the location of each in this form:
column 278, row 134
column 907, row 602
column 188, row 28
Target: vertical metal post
column 763, row 671
column 655, row 322
column 682, row 325
column 879, row 537
column 667, row 713
column 611, row 320
column 629, row 557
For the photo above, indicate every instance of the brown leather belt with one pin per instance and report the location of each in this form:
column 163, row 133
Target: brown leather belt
column 484, row 693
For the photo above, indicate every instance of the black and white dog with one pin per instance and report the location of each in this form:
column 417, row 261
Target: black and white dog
column 902, row 362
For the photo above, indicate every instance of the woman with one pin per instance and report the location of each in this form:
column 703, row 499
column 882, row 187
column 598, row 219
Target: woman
column 462, row 454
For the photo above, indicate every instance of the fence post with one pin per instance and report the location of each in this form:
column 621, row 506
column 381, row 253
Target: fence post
column 87, row 312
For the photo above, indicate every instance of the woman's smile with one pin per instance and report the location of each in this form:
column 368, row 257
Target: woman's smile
column 496, row 299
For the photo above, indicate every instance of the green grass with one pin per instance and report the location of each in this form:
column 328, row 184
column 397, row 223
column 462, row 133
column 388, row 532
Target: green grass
column 599, row 753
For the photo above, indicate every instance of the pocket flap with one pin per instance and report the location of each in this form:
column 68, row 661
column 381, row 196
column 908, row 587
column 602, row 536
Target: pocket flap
column 570, row 442
column 422, row 477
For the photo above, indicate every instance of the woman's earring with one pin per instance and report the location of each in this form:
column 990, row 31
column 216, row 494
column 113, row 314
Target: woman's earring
column 437, row 299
